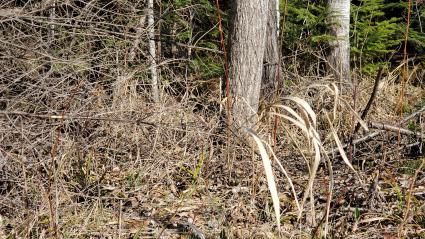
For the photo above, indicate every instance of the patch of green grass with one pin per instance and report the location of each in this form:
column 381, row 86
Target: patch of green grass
column 406, row 108
column 132, row 179
column 194, row 173
column 410, row 166
column 413, row 126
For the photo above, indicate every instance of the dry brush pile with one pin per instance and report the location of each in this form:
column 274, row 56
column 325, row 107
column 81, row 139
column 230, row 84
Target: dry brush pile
column 85, row 153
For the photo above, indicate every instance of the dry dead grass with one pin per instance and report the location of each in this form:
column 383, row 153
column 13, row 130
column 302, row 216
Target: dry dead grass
column 83, row 157
column 107, row 179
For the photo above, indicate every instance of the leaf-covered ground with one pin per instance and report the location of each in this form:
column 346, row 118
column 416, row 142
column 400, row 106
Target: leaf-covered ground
column 172, row 171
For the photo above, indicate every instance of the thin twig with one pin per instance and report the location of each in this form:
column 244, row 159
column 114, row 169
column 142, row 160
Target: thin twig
column 68, row 117
column 393, row 128
column 366, row 110
column 413, row 114
column 398, row 149
column 409, row 195
column 192, row 229
column 192, row 125
column 371, row 99
column 374, row 134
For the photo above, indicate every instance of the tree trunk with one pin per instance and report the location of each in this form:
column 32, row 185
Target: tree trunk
column 247, row 46
column 152, row 52
column 271, row 54
column 339, row 56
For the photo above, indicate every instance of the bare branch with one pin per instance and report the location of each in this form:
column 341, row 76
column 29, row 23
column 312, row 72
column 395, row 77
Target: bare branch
column 395, row 129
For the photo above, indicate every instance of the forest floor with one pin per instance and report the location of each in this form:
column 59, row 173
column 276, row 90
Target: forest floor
column 174, row 170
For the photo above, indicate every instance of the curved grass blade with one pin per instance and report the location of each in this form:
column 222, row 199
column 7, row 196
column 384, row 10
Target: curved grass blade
column 269, row 175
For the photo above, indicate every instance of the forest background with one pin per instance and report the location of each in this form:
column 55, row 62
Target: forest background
column 87, row 151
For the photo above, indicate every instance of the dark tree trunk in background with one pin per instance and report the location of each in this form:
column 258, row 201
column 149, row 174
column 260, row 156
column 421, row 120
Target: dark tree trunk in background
column 247, row 47
column 271, row 54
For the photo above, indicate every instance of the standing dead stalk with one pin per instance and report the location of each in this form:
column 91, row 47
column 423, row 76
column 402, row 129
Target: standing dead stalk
column 152, row 53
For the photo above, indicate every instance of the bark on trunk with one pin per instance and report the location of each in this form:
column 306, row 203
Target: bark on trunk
column 152, row 53
column 247, row 39
column 339, row 56
column 271, row 55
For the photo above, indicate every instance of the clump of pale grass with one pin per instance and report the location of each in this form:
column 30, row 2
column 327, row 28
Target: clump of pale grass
column 306, row 121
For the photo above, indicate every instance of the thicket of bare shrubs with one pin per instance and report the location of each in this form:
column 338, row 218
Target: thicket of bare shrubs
column 84, row 152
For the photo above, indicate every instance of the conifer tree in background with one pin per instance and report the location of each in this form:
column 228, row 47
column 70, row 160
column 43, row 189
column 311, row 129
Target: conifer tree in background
column 339, row 56
column 304, row 31
column 374, row 35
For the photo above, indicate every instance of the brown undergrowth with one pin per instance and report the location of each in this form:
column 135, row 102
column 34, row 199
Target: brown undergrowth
column 165, row 171
column 85, row 154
